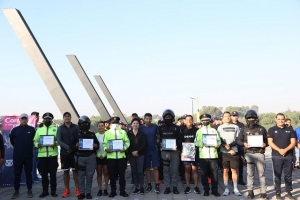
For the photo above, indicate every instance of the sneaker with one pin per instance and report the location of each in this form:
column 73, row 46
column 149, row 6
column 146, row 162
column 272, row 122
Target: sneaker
column 15, row 195
column 264, row 196
column 167, row 190
column 250, row 194
column 237, row 192
column 44, row 194
column 54, row 194
column 175, row 190
column 81, row 196
column 196, row 190
column 99, row 193
column 89, row 196
column 149, row 188
column 289, row 196
column 156, row 189
column 112, row 194
column 105, row 193
column 29, row 194
column 187, row 190
column 66, row 193
column 142, row 191
column 216, row 193
column 278, row 195
column 206, row 193
column 226, row 192
column 136, row 191
column 77, row 192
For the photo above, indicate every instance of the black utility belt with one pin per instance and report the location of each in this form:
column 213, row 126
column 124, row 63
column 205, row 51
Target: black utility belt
column 84, row 154
column 255, row 151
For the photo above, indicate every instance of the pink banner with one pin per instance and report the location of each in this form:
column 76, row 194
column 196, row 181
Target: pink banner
column 9, row 122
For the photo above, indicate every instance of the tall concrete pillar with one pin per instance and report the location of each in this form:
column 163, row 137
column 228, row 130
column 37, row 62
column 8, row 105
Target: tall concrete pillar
column 110, row 98
column 41, row 62
column 88, row 87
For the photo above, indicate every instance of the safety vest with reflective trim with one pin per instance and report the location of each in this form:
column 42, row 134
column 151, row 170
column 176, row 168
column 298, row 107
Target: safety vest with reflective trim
column 117, row 133
column 46, row 151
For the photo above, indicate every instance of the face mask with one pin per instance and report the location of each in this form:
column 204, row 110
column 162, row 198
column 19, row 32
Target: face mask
column 205, row 123
column 84, row 127
column 168, row 121
column 47, row 123
column 114, row 126
column 251, row 122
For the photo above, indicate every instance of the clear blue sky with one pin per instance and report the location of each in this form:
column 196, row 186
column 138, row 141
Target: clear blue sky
column 153, row 55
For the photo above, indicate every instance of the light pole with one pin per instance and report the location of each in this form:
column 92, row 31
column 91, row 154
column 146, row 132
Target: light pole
column 192, row 105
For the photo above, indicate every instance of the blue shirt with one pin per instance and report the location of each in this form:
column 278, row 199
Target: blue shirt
column 297, row 132
column 151, row 133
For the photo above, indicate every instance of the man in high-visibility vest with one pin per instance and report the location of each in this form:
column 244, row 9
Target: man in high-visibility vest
column 116, row 157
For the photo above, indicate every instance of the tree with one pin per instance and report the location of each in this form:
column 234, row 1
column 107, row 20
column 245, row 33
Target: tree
column 212, row 110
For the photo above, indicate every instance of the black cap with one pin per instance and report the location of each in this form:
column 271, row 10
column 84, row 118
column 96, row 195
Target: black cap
column 35, row 113
column 114, row 120
column 205, row 117
column 234, row 113
column 48, row 115
column 66, row 113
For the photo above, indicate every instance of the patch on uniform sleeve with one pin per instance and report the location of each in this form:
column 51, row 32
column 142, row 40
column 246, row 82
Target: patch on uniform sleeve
column 54, row 130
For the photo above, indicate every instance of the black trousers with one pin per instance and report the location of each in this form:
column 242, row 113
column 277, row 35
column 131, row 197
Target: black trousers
column 18, row 168
column 48, row 165
column 209, row 168
column 285, row 164
column 117, row 166
column 241, row 164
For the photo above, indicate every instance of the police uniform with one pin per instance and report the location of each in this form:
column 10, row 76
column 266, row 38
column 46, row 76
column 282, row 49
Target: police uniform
column 116, row 160
column 47, row 155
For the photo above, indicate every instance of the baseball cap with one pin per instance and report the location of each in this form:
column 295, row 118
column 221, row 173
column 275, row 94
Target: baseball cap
column 234, row 113
column 23, row 115
column 48, row 115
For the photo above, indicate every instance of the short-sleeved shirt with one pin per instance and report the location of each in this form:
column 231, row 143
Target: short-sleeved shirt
column 281, row 138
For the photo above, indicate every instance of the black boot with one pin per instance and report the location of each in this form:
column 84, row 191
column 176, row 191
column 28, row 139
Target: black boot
column 44, row 194
column 250, row 194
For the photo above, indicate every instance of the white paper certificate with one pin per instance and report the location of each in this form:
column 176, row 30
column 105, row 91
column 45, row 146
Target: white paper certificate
column 209, row 139
column 46, row 140
column 169, row 144
column 86, row 144
column 255, row 140
column 116, row 145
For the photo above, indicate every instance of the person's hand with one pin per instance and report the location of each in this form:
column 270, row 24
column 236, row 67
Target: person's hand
column 77, row 145
column 282, row 152
column 216, row 146
column 108, row 150
column 134, row 153
column 202, row 144
column 52, row 145
column 232, row 152
column 227, row 146
column 1, row 161
column 122, row 150
column 39, row 145
column 264, row 145
column 95, row 146
column 246, row 145
column 101, row 157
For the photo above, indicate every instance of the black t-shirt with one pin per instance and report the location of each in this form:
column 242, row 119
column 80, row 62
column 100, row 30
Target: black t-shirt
column 281, row 138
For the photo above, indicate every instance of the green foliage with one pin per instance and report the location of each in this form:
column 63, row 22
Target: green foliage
column 212, row 110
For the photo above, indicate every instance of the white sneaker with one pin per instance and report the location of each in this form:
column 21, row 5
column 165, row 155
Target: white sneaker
column 236, row 192
column 226, row 192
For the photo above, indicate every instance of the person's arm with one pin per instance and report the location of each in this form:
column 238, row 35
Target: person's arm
column 198, row 139
column 96, row 142
column 143, row 143
column 265, row 139
column 272, row 145
column 12, row 137
column 126, row 141
column 291, row 146
column 240, row 138
column 237, row 133
column 2, row 149
column 59, row 139
column 36, row 139
column 178, row 139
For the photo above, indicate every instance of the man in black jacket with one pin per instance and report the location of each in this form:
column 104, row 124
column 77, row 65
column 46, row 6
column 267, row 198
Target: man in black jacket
column 21, row 138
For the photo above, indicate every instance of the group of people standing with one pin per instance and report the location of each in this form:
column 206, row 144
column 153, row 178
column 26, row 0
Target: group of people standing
column 148, row 146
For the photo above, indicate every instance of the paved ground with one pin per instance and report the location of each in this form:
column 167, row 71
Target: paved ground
column 5, row 193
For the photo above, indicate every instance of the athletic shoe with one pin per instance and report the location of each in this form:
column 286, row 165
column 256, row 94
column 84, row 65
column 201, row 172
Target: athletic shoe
column 44, row 194
column 278, row 195
column 167, row 190
column 156, row 189
column 264, row 196
column 123, row 194
column 77, row 192
column 15, row 195
column 187, row 190
column 149, row 188
column 206, row 193
column 136, row 191
column 216, row 193
column 142, row 191
column 66, row 193
column 289, row 196
column 175, row 190
column 89, row 196
column 226, row 192
column 99, row 193
column 81, row 196
column 196, row 190
column 237, row 192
